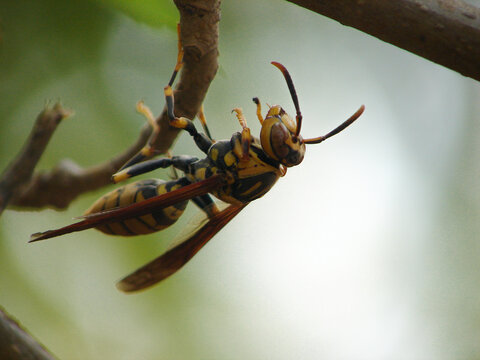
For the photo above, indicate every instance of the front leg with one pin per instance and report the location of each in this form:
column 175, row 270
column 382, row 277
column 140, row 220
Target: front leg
column 246, row 136
column 148, row 151
column 202, row 141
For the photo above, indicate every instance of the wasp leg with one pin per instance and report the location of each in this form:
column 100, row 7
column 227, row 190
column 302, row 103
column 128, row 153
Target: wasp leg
column 145, row 111
column 259, row 109
column 147, row 151
column 206, row 204
column 179, row 162
column 179, row 63
column 174, row 174
column 246, row 136
column 203, row 121
column 202, row 141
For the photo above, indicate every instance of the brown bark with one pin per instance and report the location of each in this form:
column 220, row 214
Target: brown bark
column 20, row 170
column 444, row 31
column 17, row 344
column 199, row 22
column 58, row 187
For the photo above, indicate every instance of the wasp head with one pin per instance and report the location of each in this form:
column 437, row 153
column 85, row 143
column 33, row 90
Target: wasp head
column 280, row 135
column 279, row 139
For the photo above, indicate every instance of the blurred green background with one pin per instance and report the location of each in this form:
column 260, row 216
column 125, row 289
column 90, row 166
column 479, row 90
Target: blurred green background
column 368, row 250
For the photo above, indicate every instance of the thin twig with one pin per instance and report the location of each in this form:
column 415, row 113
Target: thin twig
column 20, row 170
column 60, row 186
column 444, row 31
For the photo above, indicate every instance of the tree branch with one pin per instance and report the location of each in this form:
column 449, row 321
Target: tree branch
column 444, row 31
column 57, row 188
column 20, row 170
column 16, row 344
column 199, row 21
column 61, row 185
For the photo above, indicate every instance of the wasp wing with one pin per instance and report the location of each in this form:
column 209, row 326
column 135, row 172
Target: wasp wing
column 137, row 209
column 172, row 260
column 195, row 223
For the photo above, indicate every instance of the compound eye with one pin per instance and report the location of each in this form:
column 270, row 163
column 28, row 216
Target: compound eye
column 278, row 137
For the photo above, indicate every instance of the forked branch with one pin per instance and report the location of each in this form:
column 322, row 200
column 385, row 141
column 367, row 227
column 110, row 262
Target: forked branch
column 58, row 187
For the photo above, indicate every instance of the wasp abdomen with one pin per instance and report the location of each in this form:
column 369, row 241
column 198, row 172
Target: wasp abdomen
column 136, row 192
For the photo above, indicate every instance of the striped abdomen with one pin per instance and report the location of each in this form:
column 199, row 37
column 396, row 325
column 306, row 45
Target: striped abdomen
column 135, row 192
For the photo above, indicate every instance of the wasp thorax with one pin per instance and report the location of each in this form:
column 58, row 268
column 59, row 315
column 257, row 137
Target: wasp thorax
column 278, row 138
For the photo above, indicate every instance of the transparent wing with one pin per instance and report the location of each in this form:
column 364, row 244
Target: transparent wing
column 177, row 256
column 194, row 225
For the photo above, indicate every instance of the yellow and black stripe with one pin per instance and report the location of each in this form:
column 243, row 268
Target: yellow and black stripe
column 136, row 192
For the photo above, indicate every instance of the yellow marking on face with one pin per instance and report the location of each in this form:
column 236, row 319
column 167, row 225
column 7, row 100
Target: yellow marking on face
column 290, row 143
column 289, row 123
column 265, row 134
column 274, row 110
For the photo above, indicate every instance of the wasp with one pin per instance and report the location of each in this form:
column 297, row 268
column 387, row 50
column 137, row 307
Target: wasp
column 237, row 171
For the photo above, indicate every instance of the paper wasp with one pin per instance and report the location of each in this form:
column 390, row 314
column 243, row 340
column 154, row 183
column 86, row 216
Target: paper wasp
column 236, row 171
